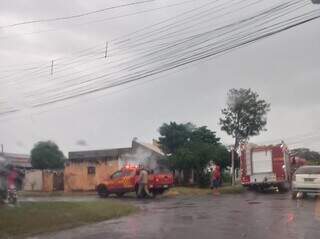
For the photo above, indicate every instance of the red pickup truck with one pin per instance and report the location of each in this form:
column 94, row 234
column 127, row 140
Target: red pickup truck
column 126, row 180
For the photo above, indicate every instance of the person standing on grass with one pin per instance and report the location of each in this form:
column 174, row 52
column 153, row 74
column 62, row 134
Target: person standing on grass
column 215, row 180
column 11, row 184
column 143, row 182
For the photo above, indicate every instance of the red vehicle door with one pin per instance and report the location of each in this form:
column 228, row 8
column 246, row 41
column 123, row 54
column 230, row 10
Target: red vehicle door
column 129, row 179
column 116, row 183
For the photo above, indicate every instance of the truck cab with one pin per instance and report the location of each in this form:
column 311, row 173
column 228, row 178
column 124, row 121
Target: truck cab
column 126, row 179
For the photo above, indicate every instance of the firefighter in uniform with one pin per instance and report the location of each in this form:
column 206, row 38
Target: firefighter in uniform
column 143, row 182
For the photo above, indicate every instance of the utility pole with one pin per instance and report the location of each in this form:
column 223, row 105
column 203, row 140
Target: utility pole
column 2, row 148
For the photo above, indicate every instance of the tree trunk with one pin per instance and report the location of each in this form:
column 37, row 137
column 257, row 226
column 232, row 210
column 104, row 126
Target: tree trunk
column 232, row 168
column 236, row 145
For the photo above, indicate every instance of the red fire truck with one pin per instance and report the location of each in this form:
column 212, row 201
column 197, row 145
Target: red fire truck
column 263, row 167
column 126, row 180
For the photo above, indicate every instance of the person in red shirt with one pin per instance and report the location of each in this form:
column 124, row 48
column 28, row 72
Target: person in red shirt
column 216, row 179
column 11, row 178
column 11, row 185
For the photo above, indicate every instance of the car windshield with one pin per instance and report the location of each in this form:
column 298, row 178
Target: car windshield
column 308, row 170
column 116, row 175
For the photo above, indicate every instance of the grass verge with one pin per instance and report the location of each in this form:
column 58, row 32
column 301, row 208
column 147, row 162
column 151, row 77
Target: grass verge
column 194, row 191
column 32, row 218
column 54, row 194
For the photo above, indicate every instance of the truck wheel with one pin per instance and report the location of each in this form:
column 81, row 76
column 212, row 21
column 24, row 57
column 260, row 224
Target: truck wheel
column 283, row 188
column 261, row 189
column 103, row 191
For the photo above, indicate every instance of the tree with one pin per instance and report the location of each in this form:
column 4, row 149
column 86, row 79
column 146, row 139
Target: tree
column 222, row 156
column 205, row 135
column 46, row 155
column 244, row 116
column 173, row 136
column 196, row 156
column 192, row 148
column 312, row 157
column 180, row 160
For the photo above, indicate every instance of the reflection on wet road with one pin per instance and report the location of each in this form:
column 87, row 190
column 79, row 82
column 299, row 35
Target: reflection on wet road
column 248, row 215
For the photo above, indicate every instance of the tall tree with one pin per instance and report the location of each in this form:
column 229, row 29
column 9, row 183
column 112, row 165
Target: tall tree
column 173, row 136
column 244, row 116
column 312, row 157
column 192, row 148
column 204, row 135
column 47, row 155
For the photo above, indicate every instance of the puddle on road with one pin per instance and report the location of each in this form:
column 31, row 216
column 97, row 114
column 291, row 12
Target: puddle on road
column 280, row 199
column 203, row 217
column 185, row 219
column 254, row 202
column 166, row 208
column 235, row 211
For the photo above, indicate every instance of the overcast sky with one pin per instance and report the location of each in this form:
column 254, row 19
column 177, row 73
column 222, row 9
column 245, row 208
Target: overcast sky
column 283, row 69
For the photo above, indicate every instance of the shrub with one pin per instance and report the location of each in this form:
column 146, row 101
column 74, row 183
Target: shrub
column 204, row 180
column 226, row 178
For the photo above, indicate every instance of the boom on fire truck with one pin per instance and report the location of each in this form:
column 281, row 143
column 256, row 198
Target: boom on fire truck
column 262, row 167
column 126, row 180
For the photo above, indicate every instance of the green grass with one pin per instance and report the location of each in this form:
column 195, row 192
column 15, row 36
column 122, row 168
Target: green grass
column 194, row 191
column 32, row 218
column 54, row 194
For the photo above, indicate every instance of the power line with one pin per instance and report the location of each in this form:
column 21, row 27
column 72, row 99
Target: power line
column 101, row 20
column 74, row 16
column 36, row 70
column 141, row 76
column 179, row 62
column 149, row 26
column 140, row 43
column 57, row 59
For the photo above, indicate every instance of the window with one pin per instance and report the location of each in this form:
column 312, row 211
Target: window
column 116, row 175
column 91, row 170
column 262, row 161
column 129, row 173
column 308, row 170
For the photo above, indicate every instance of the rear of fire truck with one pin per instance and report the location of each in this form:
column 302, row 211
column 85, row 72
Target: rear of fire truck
column 263, row 167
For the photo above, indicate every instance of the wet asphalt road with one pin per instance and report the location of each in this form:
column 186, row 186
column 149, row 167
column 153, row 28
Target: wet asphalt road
column 250, row 215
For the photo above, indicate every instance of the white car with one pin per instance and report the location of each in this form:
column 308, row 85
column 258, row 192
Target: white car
column 306, row 180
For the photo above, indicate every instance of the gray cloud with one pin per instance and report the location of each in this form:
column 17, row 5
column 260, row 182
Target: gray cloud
column 283, row 69
column 81, row 142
